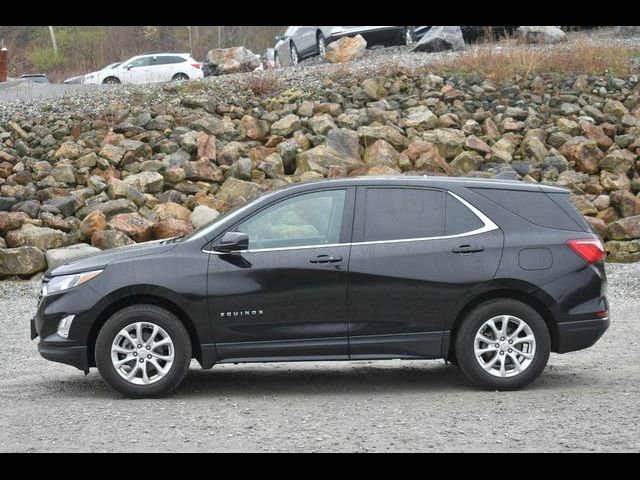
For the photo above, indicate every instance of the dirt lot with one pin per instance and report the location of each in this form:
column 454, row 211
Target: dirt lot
column 584, row 401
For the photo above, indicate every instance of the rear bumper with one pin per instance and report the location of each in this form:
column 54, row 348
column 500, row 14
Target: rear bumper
column 74, row 356
column 578, row 335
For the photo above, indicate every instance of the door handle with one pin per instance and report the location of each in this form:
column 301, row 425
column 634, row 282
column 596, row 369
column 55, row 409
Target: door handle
column 325, row 259
column 467, row 249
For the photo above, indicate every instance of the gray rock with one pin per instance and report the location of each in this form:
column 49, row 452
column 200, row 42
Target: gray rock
column 60, row 256
column 203, row 215
column 542, row 34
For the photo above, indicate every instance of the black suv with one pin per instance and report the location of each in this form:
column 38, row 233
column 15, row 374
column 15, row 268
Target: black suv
column 489, row 274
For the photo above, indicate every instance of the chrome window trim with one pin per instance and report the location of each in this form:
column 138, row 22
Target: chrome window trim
column 489, row 226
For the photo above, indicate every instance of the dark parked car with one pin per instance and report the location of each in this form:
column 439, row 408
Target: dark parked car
column 301, row 42
column 490, row 274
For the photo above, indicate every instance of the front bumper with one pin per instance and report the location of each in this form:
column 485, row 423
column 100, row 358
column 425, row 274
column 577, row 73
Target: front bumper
column 74, row 356
column 579, row 335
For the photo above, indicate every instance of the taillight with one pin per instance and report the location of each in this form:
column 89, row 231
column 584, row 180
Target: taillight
column 591, row 251
column 196, row 65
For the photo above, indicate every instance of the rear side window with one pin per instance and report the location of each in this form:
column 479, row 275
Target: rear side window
column 534, row 207
column 403, row 213
column 458, row 218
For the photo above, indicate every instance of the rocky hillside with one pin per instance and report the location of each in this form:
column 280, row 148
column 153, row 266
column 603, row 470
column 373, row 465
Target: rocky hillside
column 144, row 170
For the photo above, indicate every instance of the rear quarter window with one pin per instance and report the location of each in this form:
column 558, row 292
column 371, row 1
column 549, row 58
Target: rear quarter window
column 535, row 207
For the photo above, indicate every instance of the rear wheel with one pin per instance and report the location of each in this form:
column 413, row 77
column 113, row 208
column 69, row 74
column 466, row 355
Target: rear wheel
column 503, row 344
column 143, row 351
column 322, row 45
column 111, row 81
column 409, row 36
column 180, row 77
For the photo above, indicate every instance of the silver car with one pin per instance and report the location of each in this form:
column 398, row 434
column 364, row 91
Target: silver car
column 299, row 43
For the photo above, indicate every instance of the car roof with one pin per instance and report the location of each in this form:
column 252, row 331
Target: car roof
column 431, row 181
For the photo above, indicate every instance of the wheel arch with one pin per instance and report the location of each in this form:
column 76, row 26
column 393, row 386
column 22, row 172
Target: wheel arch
column 538, row 304
column 104, row 80
column 136, row 299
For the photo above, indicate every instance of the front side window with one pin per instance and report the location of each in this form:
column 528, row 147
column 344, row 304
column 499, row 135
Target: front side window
column 403, row 213
column 304, row 220
column 140, row 62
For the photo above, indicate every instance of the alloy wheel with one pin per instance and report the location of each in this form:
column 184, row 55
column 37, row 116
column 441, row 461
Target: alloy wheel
column 505, row 346
column 294, row 55
column 142, row 353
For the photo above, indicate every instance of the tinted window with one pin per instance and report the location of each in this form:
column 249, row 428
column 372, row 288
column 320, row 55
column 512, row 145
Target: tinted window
column 169, row 60
column 399, row 213
column 458, row 218
column 535, row 207
column 309, row 219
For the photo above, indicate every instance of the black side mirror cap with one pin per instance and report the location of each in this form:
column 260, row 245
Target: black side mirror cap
column 232, row 242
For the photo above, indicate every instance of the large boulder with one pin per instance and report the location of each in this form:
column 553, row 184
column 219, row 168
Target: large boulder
column 624, row 229
column 584, row 152
column 172, row 227
column 107, row 239
column 441, row 38
column 234, row 190
column 346, row 49
column 60, row 256
column 232, row 60
column 542, row 34
column 134, row 225
column 32, row 236
column 21, row 261
column 623, row 252
column 202, row 215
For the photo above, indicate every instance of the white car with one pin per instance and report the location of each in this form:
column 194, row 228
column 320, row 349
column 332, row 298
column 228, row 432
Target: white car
column 150, row 68
column 92, row 78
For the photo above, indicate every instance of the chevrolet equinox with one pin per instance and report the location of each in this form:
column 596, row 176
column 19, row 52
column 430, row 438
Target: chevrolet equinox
column 492, row 275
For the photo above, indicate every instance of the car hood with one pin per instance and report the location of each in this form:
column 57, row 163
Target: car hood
column 100, row 260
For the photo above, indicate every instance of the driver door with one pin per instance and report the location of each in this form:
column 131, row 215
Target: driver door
column 285, row 297
column 137, row 71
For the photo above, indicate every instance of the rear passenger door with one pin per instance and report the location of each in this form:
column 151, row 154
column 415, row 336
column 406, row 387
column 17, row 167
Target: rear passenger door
column 416, row 253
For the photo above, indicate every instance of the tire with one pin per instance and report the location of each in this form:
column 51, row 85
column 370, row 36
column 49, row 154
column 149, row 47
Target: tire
column 111, row 81
column 276, row 61
column 293, row 51
column 148, row 316
column 321, row 44
column 408, row 36
column 532, row 357
column 180, row 77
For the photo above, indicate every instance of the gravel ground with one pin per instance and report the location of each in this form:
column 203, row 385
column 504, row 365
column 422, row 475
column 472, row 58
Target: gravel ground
column 584, row 401
column 307, row 76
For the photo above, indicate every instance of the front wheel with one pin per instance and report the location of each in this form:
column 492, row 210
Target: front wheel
column 503, row 344
column 276, row 61
column 180, row 77
column 294, row 54
column 322, row 45
column 143, row 351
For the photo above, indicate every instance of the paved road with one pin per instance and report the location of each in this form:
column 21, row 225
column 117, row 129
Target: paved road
column 585, row 401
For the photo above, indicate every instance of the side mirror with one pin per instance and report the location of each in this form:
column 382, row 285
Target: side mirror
column 128, row 67
column 279, row 37
column 232, row 242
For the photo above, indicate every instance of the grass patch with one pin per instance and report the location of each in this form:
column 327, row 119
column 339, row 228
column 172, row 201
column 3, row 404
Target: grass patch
column 263, row 84
column 512, row 57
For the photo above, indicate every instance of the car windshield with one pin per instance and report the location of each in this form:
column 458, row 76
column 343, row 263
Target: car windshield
column 205, row 228
column 112, row 65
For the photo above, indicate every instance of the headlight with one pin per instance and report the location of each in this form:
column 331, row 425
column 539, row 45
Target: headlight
column 63, row 282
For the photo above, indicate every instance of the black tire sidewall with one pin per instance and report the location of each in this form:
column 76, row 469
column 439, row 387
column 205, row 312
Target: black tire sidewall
column 464, row 346
column 145, row 313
